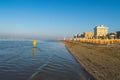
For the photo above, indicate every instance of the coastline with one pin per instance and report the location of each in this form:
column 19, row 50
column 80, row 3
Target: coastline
column 101, row 61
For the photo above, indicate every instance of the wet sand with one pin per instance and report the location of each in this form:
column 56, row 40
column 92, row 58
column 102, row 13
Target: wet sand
column 102, row 61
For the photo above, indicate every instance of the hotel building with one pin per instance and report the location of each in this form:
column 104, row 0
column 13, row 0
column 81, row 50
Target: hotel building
column 100, row 31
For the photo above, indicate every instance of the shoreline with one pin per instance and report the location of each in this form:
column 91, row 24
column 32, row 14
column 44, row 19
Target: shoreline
column 102, row 62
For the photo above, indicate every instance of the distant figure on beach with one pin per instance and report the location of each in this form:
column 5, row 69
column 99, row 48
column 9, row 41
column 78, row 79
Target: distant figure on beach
column 34, row 43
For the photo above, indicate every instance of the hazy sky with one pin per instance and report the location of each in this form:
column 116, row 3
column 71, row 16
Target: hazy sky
column 46, row 19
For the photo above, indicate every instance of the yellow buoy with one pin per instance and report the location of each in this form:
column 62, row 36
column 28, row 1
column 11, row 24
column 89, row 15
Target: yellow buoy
column 34, row 42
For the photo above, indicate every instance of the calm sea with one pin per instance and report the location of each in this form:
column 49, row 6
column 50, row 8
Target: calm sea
column 49, row 61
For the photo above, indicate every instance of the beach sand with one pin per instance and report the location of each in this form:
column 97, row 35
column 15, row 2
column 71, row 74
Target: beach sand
column 101, row 61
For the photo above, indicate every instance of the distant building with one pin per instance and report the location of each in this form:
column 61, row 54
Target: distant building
column 76, row 36
column 111, row 36
column 118, row 34
column 81, row 35
column 88, row 35
column 100, row 31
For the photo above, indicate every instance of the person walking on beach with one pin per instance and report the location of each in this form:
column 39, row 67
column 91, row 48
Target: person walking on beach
column 34, row 43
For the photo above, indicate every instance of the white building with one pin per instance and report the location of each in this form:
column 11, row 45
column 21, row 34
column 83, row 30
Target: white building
column 100, row 31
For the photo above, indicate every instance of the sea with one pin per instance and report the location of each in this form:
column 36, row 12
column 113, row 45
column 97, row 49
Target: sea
column 50, row 60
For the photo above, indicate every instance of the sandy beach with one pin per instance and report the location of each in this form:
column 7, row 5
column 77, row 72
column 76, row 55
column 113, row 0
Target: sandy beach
column 101, row 61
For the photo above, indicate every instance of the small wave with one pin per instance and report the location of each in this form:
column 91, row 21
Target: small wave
column 54, row 68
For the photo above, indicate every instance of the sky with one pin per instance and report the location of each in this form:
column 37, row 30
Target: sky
column 55, row 19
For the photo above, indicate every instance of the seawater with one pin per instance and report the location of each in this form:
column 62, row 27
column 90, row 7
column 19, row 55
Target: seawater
column 49, row 61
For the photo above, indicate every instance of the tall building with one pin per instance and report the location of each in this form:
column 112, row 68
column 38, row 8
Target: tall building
column 100, row 31
column 88, row 35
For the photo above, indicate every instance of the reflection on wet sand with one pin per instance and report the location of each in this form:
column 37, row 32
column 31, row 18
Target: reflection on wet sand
column 34, row 52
